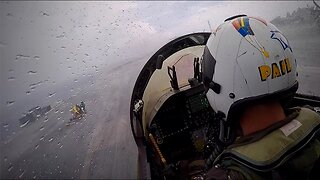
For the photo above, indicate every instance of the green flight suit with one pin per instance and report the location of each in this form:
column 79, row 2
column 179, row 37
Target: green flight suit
column 288, row 150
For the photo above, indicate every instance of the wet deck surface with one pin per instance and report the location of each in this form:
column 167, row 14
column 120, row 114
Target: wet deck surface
column 98, row 146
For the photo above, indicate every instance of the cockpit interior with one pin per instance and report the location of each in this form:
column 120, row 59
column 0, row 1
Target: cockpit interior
column 174, row 126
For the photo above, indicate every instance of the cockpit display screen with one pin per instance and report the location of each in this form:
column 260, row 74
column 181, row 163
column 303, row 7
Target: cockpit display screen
column 198, row 102
column 171, row 118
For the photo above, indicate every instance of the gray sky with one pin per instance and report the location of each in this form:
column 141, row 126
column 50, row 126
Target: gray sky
column 43, row 44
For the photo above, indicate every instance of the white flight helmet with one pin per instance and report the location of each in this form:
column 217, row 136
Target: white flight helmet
column 247, row 59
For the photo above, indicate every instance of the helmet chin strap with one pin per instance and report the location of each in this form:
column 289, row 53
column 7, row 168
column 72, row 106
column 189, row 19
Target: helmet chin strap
column 227, row 134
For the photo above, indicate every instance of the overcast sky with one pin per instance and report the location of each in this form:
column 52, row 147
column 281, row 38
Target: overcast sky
column 43, row 44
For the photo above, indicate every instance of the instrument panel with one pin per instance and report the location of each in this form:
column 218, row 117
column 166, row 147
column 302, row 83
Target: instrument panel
column 181, row 125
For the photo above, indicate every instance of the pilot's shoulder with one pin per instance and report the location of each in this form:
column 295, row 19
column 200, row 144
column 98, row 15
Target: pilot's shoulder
column 308, row 111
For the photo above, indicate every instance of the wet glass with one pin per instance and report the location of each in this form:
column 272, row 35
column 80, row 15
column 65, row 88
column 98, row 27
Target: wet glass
column 54, row 55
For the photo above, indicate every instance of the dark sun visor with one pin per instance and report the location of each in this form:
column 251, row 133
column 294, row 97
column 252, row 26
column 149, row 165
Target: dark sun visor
column 208, row 66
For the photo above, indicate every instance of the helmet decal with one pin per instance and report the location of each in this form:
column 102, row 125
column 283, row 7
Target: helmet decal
column 277, row 35
column 264, row 52
column 265, row 71
column 275, row 70
column 242, row 25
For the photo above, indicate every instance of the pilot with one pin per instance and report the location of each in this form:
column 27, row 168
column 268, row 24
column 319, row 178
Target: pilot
column 75, row 110
column 249, row 72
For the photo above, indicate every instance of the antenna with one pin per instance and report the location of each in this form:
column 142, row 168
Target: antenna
column 210, row 26
column 316, row 4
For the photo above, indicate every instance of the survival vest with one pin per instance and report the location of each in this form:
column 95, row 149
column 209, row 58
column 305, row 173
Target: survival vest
column 293, row 148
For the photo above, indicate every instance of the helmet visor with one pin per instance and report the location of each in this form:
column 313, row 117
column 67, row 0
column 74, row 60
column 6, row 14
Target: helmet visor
column 208, row 66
